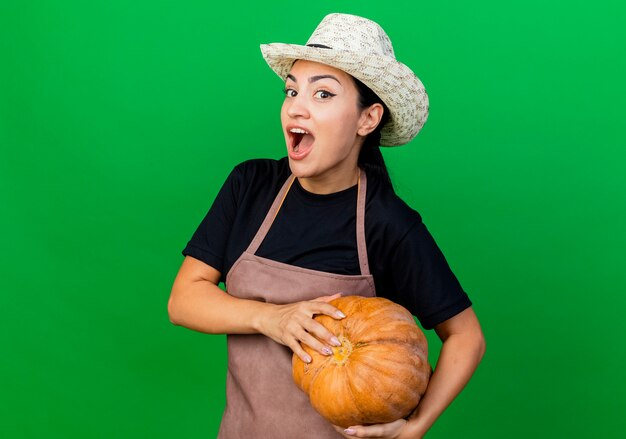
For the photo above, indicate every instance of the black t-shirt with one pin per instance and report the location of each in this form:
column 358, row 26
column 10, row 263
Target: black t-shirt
column 318, row 232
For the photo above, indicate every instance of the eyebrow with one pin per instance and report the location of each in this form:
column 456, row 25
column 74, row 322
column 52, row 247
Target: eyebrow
column 314, row 78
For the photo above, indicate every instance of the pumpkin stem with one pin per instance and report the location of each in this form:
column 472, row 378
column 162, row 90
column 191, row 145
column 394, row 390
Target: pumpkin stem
column 341, row 353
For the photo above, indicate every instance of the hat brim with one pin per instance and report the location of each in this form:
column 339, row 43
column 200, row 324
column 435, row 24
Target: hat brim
column 395, row 83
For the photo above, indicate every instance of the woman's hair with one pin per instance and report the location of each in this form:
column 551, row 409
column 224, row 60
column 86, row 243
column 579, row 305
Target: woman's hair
column 370, row 157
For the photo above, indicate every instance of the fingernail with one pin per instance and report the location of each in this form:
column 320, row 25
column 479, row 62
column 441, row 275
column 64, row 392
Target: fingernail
column 349, row 431
column 307, row 359
column 327, row 351
column 335, row 341
column 340, row 314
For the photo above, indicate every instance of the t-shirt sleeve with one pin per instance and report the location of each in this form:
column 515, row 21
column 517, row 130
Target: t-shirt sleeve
column 209, row 241
column 423, row 280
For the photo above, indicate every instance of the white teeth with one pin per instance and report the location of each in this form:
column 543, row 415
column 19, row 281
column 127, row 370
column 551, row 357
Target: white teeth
column 298, row 130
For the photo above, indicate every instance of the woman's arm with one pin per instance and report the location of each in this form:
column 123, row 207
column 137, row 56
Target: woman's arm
column 463, row 348
column 196, row 302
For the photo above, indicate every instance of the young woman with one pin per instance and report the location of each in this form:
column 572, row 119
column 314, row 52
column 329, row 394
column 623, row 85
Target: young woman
column 287, row 236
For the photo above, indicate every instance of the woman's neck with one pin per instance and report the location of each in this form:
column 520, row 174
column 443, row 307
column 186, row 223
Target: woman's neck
column 329, row 184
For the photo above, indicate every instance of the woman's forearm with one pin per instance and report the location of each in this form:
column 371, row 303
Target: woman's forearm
column 204, row 307
column 459, row 357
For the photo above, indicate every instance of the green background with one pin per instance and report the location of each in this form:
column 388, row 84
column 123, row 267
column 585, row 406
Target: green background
column 119, row 121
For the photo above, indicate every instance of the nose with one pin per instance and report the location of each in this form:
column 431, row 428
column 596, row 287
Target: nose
column 296, row 106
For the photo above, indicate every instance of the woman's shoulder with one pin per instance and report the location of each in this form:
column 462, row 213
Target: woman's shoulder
column 260, row 174
column 388, row 212
column 262, row 169
column 260, row 166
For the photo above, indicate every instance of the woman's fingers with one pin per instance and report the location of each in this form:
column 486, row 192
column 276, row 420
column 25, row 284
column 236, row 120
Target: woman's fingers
column 293, row 324
column 314, row 343
column 328, row 298
column 297, row 349
column 320, row 331
column 325, row 308
column 382, row 431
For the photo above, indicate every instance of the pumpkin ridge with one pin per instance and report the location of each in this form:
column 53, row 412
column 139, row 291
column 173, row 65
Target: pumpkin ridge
column 372, row 365
column 386, row 331
column 388, row 358
column 404, row 347
column 352, row 394
column 334, row 412
column 318, row 364
column 415, row 394
column 399, row 341
column 317, row 371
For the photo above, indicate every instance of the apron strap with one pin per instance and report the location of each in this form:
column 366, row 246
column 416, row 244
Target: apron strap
column 360, row 220
column 360, row 223
column 271, row 214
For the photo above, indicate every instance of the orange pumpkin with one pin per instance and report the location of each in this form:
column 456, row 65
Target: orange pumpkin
column 380, row 371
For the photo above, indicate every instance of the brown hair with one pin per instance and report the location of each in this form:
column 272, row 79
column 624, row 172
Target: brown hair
column 370, row 157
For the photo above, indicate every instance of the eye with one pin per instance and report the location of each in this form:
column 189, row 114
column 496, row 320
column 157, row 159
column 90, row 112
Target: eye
column 324, row 94
column 290, row 92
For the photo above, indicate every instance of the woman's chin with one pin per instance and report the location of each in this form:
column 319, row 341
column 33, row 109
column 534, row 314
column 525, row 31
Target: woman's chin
column 299, row 169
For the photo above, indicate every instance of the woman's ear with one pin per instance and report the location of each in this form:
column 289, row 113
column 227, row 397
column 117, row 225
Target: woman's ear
column 370, row 118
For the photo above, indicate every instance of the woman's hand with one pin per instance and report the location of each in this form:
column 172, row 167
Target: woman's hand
column 293, row 323
column 392, row 430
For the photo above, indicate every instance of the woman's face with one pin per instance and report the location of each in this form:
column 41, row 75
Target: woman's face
column 323, row 126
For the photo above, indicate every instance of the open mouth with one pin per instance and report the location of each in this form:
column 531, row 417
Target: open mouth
column 300, row 140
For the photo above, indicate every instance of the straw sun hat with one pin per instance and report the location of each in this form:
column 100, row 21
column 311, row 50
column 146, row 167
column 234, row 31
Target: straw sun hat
column 361, row 48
